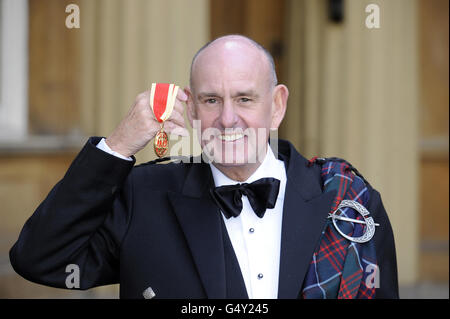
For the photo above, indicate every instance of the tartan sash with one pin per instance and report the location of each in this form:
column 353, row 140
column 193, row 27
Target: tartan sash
column 341, row 268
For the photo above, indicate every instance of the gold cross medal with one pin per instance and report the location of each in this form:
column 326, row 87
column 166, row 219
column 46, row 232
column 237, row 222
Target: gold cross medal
column 162, row 101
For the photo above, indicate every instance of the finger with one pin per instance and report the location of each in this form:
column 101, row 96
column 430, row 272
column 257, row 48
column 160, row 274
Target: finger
column 181, row 96
column 179, row 107
column 143, row 95
column 175, row 129
column 177, row 118
column 142, row 101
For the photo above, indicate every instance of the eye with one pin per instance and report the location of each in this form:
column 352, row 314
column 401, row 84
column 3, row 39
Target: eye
column 244, row 99
column 211, row 101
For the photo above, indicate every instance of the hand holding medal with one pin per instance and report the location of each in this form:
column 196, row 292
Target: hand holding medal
column 153, row 115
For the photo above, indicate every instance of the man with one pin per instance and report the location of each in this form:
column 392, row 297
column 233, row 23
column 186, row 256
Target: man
column 180, row 230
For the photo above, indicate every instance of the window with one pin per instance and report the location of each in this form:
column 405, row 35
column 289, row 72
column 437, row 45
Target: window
column 13, row 69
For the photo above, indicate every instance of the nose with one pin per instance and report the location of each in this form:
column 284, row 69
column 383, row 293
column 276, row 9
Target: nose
column 228, row 117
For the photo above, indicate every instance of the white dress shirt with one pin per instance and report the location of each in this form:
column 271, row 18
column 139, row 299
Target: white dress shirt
column 104, row 147
column 257, row 241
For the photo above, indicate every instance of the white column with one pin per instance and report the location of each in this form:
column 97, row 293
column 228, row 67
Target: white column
column 13, row 70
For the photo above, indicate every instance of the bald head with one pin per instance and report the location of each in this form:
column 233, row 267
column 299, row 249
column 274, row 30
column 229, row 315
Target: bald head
column 234, row 44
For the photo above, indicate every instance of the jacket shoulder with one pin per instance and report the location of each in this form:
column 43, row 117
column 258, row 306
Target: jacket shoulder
column 322, row 161
column 162, row 174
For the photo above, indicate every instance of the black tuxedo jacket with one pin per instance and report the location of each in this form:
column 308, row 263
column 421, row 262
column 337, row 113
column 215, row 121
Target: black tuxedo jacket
column 156, row 226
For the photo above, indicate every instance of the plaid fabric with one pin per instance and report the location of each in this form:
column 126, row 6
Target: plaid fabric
column 339, row 267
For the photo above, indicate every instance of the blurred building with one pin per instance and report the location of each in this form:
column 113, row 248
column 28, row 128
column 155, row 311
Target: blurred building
column 368, row 82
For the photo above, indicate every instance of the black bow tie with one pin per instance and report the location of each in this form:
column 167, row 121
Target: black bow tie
column 261, row 194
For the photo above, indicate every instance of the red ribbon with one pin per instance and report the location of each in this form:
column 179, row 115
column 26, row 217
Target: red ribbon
column 160, row 100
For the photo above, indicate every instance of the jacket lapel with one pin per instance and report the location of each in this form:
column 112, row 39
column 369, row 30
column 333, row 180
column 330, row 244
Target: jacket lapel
column 305, row 212
column 200, row 221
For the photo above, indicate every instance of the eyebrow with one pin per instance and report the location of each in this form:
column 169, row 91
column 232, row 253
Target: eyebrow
column 246, row 93
column 239, row 93
column 207, row 94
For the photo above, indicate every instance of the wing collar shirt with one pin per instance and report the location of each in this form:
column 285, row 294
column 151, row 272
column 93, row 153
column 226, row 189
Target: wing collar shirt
column 257, row 241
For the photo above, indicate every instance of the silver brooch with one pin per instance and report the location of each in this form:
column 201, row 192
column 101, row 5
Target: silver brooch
column 368, row 221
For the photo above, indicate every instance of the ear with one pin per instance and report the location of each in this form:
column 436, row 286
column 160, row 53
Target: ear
column 279, row 104
column 191, row 113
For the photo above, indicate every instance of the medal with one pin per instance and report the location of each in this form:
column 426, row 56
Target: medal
column 162, row 101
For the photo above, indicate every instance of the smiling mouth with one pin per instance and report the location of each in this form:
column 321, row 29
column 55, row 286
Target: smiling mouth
column 231, row 137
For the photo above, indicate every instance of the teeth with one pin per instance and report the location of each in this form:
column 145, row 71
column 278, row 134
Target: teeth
column 231, row 137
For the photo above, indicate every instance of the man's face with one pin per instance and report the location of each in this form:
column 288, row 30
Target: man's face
column 233, row 97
